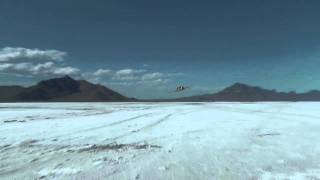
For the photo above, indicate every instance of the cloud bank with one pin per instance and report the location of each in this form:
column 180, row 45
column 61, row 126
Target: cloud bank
column 18, row 54
column 34, row 62
column 125, row 77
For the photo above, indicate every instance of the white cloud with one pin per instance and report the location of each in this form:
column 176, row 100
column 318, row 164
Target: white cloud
column 157, row 78
column 120, row 83
column 39, row 68
column 44, row 69
column 153, row 82
column 128, row 74
column 102, row 72
column 5, row 66
column 151, row 76
column 34, row 62
column 130, row 77
column 19, row 54
column 66, row 71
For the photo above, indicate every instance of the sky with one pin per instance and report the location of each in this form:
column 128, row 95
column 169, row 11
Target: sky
column 145, row 48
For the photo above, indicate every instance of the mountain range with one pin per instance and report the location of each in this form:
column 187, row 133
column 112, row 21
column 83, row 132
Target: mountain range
column 66, row 89
column 239, row 92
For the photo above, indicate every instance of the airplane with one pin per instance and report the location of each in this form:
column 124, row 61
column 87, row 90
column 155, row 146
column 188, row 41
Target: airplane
column 181, row 88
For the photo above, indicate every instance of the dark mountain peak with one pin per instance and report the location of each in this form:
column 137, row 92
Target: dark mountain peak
column 238, row 84
column 65, row 80
column 49, row 89
column 67, row 76
column 63, row 89
column 241, row 88
column 59, row 85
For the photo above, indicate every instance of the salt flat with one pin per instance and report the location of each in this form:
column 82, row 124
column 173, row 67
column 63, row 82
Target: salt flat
column 160, row 141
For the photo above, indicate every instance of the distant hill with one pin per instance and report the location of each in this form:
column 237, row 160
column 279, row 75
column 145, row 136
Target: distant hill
column 244, row 93
column 63, row 89
column 7, row 93
column 66, row 89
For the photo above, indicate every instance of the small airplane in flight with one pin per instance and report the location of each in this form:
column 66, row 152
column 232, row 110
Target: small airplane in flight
column 181, row 88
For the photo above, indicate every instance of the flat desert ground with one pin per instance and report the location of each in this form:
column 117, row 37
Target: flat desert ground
column 159, row 141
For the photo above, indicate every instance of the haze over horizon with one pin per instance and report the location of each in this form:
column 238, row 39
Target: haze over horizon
column 144, row 49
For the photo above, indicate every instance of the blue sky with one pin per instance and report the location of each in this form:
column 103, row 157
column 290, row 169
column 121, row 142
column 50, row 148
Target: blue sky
column 145, row 48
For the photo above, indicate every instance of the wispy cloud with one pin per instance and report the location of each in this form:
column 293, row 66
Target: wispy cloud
column 34, row 62
column 128, row 74
column 19, row 54
column 102, row 72
column 130, row 77
column 151, row 76
column 47, row 69
column 158, row 78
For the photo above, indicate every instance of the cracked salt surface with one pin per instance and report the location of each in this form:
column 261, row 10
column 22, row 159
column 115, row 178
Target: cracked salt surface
column 160, row 141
